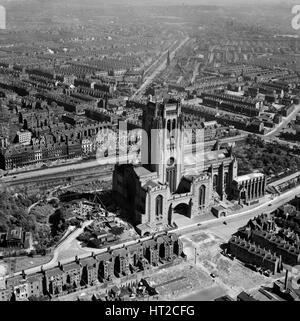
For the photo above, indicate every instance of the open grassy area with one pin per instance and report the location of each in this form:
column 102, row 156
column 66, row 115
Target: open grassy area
column 22, row 263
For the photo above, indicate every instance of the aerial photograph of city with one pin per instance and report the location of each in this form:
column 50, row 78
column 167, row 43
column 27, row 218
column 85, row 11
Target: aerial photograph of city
column 149, row 152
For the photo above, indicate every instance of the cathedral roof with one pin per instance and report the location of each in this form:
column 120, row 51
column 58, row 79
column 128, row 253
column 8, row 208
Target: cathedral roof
column 150, row 184
column 190, row 176
column 247, row 177
column 141, row 171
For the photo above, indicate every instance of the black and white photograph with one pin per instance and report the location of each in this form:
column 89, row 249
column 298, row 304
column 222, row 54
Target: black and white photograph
column 149, row 154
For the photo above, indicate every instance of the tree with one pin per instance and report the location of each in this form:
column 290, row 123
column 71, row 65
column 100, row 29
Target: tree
column 57, row 221
column 117, row 230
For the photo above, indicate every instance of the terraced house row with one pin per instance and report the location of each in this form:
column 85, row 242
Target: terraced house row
column 241, row 105
column 104, row 268
column 251, row 253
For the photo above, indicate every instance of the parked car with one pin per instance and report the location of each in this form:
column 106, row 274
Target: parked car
column 260, row 270
column 252, row 267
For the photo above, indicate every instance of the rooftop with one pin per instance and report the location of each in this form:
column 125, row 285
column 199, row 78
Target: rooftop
column 141, row 171
column 150, row 184
column 247, row 177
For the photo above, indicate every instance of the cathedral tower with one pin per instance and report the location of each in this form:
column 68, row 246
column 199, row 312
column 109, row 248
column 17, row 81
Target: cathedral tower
column 162, row 123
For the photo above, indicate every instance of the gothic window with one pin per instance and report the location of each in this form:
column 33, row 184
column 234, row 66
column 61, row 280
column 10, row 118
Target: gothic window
column 169, row 125
column 174, row 124
column 202, row 191
column 159, row 206
column 226, row 180
column 215, row 181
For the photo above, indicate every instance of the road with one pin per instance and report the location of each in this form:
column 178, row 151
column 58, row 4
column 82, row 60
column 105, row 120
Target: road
column 268, row 137
column 160, row 68
column 32, row 206
column 61, row 247
column 239, row 219
column 280, row 141
column 271, row 135
column 245, row 215
column 272, row 139
column 284, row 122
column 195, row 73
column 66, row 251
column 159, row 58
column 236, row 221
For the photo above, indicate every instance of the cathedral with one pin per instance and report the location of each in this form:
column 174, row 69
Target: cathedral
column 172, row 178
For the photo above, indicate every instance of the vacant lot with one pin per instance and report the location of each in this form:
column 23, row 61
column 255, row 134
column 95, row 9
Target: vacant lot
column 23, row 263
column 180, row 280
column 230, row 275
